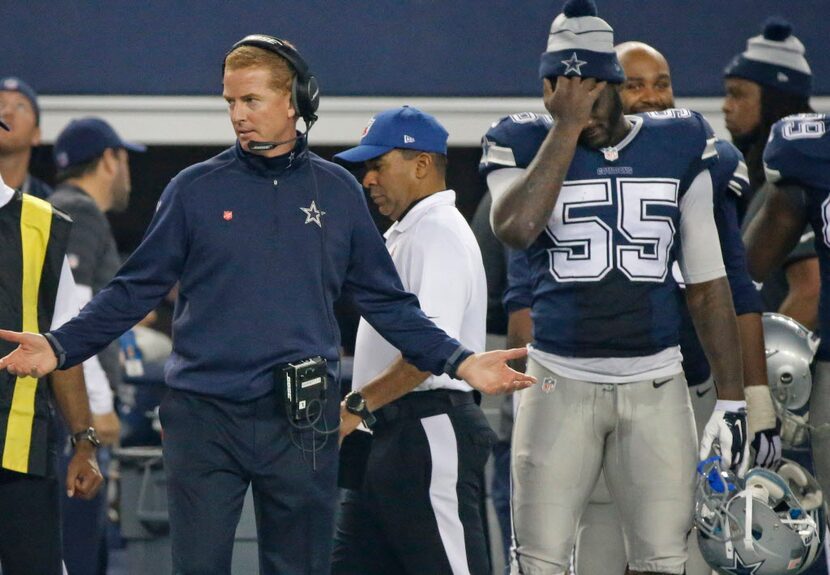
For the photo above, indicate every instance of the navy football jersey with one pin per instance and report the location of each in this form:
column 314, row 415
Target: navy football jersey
column 730, row 181
column 798, row 152
column 600, row 272
column 519, row 291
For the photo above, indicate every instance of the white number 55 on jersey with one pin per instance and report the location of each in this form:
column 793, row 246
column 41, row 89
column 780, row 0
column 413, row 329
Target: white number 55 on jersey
column 585, row 249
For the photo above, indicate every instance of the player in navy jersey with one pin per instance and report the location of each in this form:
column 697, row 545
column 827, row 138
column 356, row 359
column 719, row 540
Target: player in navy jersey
column 600, row 211
column 797, row 163
column 768, row 81
column 648, row 88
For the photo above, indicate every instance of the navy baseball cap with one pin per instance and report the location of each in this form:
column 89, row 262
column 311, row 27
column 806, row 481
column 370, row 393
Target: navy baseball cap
column 85, row 139
column 12, row 84
column 405, row 127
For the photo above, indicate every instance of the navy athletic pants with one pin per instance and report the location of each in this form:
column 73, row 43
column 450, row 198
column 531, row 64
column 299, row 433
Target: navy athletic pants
column 215, row 448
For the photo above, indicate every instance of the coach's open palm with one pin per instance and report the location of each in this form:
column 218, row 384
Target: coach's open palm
column 489, row 373
column 33, row 357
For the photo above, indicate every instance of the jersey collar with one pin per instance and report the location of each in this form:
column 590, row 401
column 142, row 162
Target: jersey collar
column 277, row 165
column 636, row 124
column 413, row 216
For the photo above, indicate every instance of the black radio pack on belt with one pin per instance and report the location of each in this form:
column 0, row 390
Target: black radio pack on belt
column 303, row 387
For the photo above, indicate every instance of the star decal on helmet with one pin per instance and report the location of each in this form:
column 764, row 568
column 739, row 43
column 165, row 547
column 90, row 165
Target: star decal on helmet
column 741, row 568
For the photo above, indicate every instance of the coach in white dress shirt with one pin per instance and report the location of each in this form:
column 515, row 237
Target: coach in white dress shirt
column 417, row 510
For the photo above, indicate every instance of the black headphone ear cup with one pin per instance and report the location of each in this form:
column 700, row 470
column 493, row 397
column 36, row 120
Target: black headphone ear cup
column 299, row 109
column 305, row 95
column 313, row 94
column 305, row 92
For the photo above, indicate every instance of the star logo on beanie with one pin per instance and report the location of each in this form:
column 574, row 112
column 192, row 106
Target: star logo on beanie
column 573, row 64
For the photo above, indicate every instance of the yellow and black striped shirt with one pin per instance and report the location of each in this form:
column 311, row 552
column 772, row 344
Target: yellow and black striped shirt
column 33, row 237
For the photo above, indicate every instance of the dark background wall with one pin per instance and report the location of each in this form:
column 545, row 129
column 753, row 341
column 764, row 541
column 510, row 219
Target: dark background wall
column 370, row 48
column 359, row 48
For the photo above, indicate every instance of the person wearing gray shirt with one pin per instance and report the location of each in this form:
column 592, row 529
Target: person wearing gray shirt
column 93, row 178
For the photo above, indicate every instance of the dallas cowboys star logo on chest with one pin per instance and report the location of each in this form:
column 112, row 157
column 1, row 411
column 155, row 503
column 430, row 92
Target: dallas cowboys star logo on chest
column 313, row 214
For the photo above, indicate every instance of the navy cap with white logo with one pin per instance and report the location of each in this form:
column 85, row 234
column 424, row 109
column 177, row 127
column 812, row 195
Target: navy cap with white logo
column 85, row 139
column 405, row 127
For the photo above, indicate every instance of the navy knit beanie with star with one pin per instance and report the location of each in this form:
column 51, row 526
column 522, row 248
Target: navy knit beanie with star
column 775, row 59
column 581, row 44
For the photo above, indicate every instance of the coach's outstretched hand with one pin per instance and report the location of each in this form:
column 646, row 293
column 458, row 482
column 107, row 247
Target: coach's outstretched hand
column 488, row 372
column 33, row 357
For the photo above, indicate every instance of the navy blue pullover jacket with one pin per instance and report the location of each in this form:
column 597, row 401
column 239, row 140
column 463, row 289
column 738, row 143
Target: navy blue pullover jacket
column 242, row 235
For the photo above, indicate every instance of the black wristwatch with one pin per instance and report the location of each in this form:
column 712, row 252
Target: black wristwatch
column 88, row 434
column 356, row 404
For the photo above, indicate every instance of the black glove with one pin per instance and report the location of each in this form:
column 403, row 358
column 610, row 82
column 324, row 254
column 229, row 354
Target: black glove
column 767, row 446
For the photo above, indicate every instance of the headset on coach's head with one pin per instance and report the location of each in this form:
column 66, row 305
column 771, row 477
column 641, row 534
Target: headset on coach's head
column 305, row 92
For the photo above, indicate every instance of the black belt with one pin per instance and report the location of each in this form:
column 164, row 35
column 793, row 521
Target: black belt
column 418, row 404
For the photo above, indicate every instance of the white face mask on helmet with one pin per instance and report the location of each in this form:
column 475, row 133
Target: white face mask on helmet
column 771, row 522
column 790, row 348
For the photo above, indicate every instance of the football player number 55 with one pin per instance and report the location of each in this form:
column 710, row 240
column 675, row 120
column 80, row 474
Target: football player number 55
column 585, row 246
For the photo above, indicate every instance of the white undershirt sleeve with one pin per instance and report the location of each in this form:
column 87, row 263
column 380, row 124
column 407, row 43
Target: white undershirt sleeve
column 66, row 301
column 97, row 387
column 700, row 254
column 70, row 299
column 498, row 181
column 97, row 383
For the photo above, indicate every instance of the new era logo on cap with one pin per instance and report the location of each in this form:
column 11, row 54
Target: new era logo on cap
column 11, row 84
column 403, row 127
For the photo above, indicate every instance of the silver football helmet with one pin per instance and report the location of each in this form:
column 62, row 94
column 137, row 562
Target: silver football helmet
column 769, row 523
column 790, row 348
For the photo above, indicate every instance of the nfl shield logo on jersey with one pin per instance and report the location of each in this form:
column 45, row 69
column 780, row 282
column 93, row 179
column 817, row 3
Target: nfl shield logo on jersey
column 611, row 154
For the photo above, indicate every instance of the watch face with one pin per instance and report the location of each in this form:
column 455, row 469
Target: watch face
column 88, row 435
column 355, row 402
column 93, row 437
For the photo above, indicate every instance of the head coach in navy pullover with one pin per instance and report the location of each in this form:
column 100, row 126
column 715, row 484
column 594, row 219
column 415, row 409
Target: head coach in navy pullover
column 262, row 238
